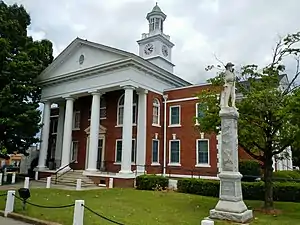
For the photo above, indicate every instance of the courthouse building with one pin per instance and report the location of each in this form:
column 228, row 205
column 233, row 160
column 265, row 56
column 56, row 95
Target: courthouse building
column 120, row 114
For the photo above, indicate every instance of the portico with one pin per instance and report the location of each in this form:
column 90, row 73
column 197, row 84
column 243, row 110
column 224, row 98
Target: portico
column 91, row 71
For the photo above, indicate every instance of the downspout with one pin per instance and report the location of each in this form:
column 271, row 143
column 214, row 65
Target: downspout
column 165, row 134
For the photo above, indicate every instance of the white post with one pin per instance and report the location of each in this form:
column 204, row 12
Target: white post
column 13, row 178
column 78, row 185
column 48, row 185
column 141, row 132
column 111, row 182
column 207, row 222
column 36, row 177
column 26, row 182
column 45, row 135
column 94, row 132
column 5, row 175
column 10, row 201
column 67, row 137
column 78, row 212
column 1, row 177
column 127, row 131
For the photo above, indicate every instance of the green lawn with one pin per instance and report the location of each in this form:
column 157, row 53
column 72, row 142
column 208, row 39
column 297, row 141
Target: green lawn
column 133, row 207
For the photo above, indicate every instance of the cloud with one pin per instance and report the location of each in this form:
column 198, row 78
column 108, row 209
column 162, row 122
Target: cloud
column 243, row 32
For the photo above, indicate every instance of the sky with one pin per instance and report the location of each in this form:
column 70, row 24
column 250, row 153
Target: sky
column 243, row 32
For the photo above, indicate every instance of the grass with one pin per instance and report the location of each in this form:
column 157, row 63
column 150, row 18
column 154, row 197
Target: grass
column 133, row 207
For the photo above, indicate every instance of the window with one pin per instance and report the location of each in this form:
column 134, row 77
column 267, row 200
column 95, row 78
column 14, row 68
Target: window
column 102, row 108
column 156, row 112
column 74, row 150
column 76, row 120
column 151, row 25
column 120, row 110
column 133, row 151
column 119, row 151
column 53, row 125
column 199, row 112
column 155, row 151
column 202, row 147
column 157, row 22
column 174, row 151
column 175, row 115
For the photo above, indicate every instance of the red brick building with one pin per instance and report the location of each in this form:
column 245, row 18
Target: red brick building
column 120, row 115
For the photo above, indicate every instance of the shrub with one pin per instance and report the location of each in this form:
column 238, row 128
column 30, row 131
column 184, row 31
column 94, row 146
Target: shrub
column 151, row 182
column 250, row 169
column 289, row 192
column 286, row 175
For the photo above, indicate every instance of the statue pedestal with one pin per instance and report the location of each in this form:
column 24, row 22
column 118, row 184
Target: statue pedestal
column 231, row 205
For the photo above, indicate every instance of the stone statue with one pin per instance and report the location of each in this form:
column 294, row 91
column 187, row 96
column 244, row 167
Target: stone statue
column 229, row 86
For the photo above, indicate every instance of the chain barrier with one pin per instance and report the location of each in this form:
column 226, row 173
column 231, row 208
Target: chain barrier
column 103, row 217
column 3, row 195
column 42, row 206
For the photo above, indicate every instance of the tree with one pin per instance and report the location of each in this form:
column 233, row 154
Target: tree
column 269, row 119
column 21, row 60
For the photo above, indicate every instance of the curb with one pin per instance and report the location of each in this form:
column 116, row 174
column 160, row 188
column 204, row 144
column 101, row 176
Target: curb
column 28, row 219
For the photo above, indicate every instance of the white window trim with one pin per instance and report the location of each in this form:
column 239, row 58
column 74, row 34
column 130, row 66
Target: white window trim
column 196, row 121
column 118, row 108
column 73, row 123
column 155, row 163
column 102, row 118
column 208, row 151
column 119, row 163
column 157, row 104
column 72, row 148
column 170, row 109
column 174, row 164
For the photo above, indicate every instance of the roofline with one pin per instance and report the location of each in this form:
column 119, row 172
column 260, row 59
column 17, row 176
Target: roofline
column 189, row 86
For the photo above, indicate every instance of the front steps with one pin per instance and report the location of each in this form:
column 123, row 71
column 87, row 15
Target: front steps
column 70, row 179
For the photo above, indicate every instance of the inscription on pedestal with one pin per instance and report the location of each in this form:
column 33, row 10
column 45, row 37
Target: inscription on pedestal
column 228, row 188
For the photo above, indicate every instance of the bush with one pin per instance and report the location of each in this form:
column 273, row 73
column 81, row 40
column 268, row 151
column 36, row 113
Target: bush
column 288, row 192
column 250, row 169
column 286, row 175
column 151, row 182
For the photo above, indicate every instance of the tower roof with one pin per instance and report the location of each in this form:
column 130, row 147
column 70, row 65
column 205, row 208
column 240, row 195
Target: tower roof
column 156, row 11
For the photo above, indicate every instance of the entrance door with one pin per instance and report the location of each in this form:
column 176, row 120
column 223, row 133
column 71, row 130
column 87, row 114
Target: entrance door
column 100, row 156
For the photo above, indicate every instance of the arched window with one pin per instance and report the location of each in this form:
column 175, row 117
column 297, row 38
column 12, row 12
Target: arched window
column 156, row 112
column 120, row 110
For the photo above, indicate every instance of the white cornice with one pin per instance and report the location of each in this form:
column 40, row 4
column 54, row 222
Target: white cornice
column 111, row 66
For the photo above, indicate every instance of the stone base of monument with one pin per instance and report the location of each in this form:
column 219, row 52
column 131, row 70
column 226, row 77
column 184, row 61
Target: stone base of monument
column 231, row 205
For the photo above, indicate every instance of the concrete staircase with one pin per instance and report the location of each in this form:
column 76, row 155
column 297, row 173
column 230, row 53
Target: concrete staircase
column 70, row 179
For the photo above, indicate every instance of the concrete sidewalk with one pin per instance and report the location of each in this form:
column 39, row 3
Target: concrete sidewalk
column 7, row 221
column 38, row 184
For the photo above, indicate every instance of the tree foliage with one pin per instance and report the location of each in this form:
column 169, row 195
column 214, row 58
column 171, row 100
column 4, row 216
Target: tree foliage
column 21, row 60
column 269, row 119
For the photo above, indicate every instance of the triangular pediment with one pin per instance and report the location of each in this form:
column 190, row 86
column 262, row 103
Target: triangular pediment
column 102, row 130
column 80, row 55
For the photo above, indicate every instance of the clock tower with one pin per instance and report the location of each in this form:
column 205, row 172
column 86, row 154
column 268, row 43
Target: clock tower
column 155, row 46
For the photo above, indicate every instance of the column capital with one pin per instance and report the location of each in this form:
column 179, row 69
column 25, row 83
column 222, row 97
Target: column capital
column 46, row 101
column 128, row 87
column 165, row 97
column 69, row 97
column 96, row 92
column 142, row 91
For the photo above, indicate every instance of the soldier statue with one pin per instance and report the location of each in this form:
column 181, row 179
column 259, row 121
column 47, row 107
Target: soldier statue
column 229, row 86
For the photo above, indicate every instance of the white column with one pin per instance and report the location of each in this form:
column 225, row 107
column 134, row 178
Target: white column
column 141, row 131
column 67, row 137
column 45, row 135
column 127, row 131
column 94, row 132
column 59, row 135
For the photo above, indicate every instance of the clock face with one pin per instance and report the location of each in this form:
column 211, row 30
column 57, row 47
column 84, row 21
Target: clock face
column 165, row 50
column 148, row 49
